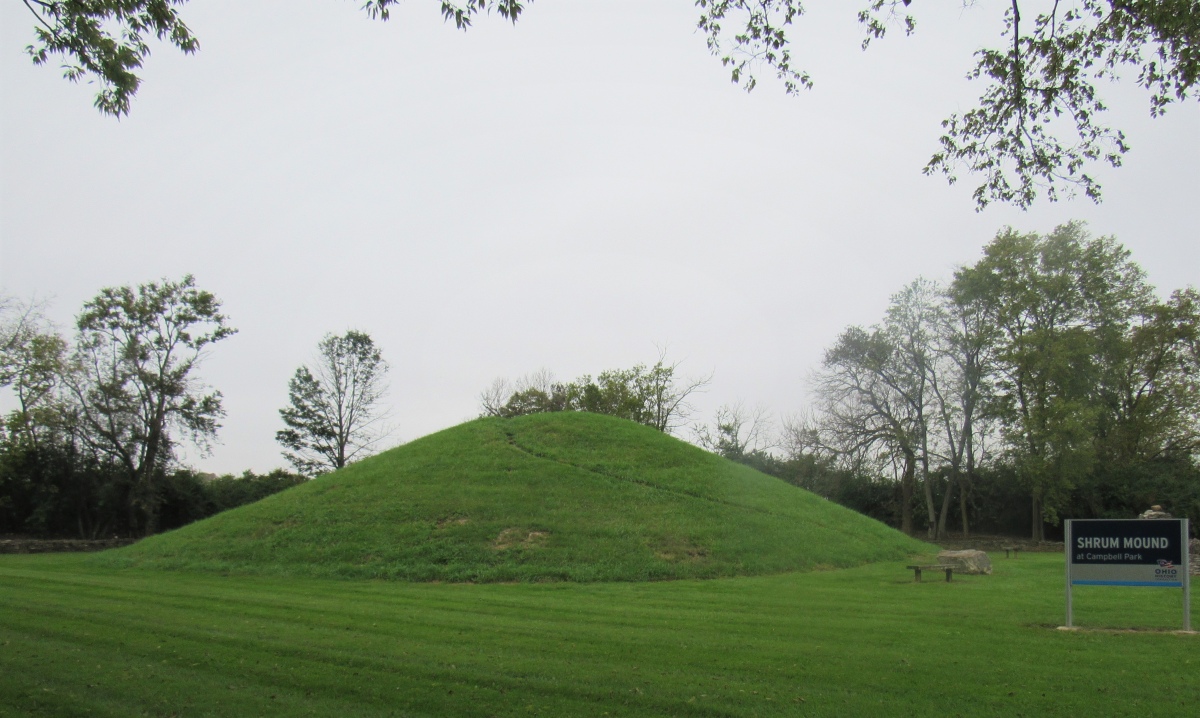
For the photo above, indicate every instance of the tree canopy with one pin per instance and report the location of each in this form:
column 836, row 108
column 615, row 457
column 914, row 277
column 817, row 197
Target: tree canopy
column 334, row 413
column 98, row 422
column 654, row 396
column 1051, row 359
column 133, row 379
column 1038, row 127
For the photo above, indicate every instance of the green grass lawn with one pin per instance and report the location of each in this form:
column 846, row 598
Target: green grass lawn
column 82, row 640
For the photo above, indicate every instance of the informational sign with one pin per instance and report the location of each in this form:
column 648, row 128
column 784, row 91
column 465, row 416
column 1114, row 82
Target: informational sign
column 1128, row 552
column 1134, row 552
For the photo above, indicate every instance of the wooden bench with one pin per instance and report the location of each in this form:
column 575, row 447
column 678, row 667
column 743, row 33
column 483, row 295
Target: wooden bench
column 1015, row 550
column 948, row 568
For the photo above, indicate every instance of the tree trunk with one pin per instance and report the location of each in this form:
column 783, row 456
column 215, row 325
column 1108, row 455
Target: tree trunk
column 962, row 507
column 930, row 510
column 941, row 525
column 148, row 469
column 906, row 494
column 1038, row 533
column 146, row 498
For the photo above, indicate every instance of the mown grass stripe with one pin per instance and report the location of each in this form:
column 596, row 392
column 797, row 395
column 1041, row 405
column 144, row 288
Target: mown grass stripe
column 863, row 641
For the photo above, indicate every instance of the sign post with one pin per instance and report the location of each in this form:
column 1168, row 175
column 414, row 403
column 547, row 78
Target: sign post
column 1128, row 552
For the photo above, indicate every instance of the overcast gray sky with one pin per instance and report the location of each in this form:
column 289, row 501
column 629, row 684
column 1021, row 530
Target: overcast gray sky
column 566, row 193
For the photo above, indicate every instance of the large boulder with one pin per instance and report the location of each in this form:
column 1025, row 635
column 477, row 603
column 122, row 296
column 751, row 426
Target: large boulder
column 1155, row 512
column 971, row 561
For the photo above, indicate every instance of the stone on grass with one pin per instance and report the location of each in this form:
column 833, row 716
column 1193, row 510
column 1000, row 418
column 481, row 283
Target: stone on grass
column 969, row 562
column 1155, row 512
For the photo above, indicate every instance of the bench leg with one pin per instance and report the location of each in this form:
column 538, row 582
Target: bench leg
column 949, row 573
column 918, row 578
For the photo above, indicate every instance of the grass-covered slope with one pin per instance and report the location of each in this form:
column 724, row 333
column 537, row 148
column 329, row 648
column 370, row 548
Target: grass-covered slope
column 566, row 496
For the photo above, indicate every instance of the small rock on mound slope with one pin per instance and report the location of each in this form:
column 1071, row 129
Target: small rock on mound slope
column 566, row 496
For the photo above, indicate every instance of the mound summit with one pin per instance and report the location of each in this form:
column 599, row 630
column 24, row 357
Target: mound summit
column 565, row 496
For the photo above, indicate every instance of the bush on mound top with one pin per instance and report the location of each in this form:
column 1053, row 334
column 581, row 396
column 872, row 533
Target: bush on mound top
column 566, row 496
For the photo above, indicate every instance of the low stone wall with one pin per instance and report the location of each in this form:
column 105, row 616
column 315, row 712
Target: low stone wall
column 27, row 545
column 992, row 544
column 1194, row 557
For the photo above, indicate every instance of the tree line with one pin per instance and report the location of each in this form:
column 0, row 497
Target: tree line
column 655, row 396
column 1047, row 375
column 92, row 447
column 1046, row 380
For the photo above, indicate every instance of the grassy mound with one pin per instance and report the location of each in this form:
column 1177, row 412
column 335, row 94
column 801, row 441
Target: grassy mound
column 566, row 496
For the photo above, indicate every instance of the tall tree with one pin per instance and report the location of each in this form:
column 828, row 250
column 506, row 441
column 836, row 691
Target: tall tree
column 1152, row 396
column 912, row 323
column 335, row 414
column 1149, row 399
column 32, row 362
column 964, row 349
column 1061, row 305
column 134, row 385
column 1037, row 128
column 908, row 391
column 862, row 409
